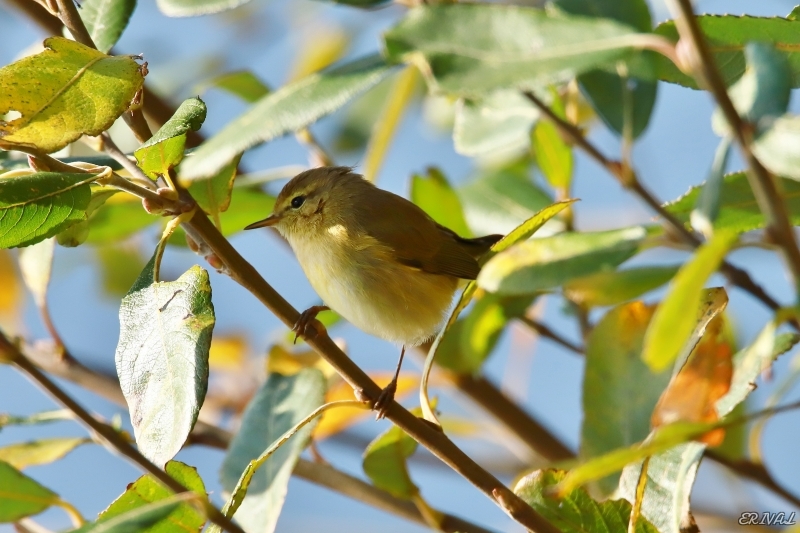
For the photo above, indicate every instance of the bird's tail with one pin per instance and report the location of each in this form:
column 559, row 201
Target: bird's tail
column 480, row 245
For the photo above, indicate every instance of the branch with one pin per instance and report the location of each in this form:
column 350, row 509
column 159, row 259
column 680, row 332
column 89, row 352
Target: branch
column 761, row 181
column 754, row 472
column 548, row 333
column 628, row 180
column 69, row 15
column 430, row 437
column 10, row 353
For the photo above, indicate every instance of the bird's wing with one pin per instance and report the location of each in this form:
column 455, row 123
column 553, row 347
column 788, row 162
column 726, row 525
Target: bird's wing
column 415, row 239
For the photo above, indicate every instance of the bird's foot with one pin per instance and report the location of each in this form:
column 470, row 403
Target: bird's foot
column 385, row 399
column 307, row 326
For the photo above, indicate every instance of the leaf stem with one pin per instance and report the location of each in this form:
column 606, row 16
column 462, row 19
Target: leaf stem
column 763, row 183
column 107, row 432
column 548, row 333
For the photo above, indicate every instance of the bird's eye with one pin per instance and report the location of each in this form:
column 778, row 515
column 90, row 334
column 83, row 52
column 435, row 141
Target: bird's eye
column 297, row 201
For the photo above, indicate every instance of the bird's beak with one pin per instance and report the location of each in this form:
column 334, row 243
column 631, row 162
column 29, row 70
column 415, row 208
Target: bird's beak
column 269, row 221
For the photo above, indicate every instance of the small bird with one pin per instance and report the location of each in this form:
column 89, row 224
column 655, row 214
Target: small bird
column 373, row 257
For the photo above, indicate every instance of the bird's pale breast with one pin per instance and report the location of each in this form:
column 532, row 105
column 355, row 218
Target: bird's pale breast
column 358, row 278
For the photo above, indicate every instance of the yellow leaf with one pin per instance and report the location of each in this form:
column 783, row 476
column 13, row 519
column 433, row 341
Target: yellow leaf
column 322, row 48
column 227, row 352
column 282, row 361
column 11, row 295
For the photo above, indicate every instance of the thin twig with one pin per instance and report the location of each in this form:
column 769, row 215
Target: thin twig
column 548, row 333
column 111, row 148
column 735, row 275
column 754, row 472
column 9, row 352
column 430, row 437
column 72, row 20
column 762, row 182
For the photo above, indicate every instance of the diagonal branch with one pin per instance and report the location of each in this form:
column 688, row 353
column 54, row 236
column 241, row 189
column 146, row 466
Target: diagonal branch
column 763, row 183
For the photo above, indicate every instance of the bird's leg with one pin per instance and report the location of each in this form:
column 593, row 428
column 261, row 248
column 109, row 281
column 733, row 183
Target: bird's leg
column 387, row 394
column 307, row 326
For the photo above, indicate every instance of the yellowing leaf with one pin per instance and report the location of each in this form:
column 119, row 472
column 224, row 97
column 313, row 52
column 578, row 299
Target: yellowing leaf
column 38, row 452
column 321, row 49
column 52, row 91
column 11, row 295
column 341, row 418
column 227, row 352
column 282, row 361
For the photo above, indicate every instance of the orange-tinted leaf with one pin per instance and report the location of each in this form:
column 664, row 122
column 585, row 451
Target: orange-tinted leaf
column 336, row 420
column 705, row 378
column 282, row 361
column 227, row 352
column 11, row 295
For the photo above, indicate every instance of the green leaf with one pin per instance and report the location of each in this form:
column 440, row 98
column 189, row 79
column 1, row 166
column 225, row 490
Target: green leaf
column 38, row 452
column 288, row 109
column 35, row 418
column 553, row 154
column 576, row 512
column 279, row 405
column 727, row 37
column 360, row 3
column 147, row 490
column 245, row 201
column 762, row 93
column 164, row 150
column 436, row 197
column 145, row 518
column 706, row 210
column 193, row 8
column 21, row 496
column 106, row 20
column 77, row 234
column 619, row 390
column 119, row 267
column 738, row 209
column 36, row 266
column 385, row 462
column 162, row 358
column 37, row 206
column 526, row 230
column 500, row 200
column 548, row 262
column 609, row 92
column 241, row 83
column 776, row 147
column 65, row 75
column 213, row 194
column 118, row 219
column 500, row 121
column 471, row 49
column 677, row 315
column 611, row 288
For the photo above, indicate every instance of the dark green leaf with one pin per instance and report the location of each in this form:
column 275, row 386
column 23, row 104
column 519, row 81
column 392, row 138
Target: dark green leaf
column 106, row 20
column 164, row 150
column 147, row 490
column 548, row 262
column 500, row 122
column 498, row 201
column 727, row 36
column 618, row 286
column 162, row 358
column 738, row 209
column 385, row 462
column 470, row 49
column 762, row 93
column 279, row 405
column 619, row 390
column 434, row 194
column 576, row 512
column 37, row 206
column 68, row 90
column 288, row 109
column 241, row 83
column 21, row 496
column 193, row 8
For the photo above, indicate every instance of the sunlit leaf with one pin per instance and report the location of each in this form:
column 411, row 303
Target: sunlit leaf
column 617, row 286
column 106, row 20
column 576, row 511
column 145, row 518
column 436, row 197
column 288, row 109
column 194, row 8
column 553, row 155
column 241, row 83
column 162, row 358
column 38, row 452
column 385, row 462
column 164, row 150
column 21, row 496
column 39, row 205
column 279, row 405
column 677, row 315
column 470, row 49
column 548, row 262
column 498, row 122
column 213, row 194
column 65, row 74
column 777, row 147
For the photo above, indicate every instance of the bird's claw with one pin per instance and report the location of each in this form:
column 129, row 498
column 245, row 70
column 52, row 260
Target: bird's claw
column 307, row 326
column 385, row 400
